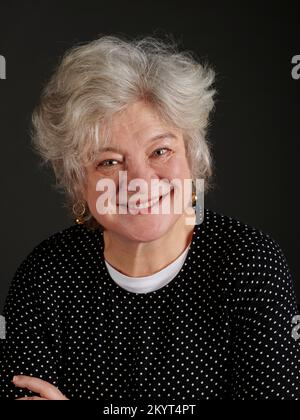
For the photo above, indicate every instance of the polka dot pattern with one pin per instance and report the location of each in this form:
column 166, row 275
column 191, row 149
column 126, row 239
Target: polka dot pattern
column 221, row 329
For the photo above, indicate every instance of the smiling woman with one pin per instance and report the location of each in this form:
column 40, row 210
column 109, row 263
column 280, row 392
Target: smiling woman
column 88, row 112
column 142, row 304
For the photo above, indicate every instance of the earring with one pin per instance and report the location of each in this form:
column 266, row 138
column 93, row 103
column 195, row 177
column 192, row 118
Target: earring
column 79, row 211
column 194, row 196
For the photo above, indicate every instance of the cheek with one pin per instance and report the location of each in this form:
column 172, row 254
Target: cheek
column 177, row 168
column 91, row 189
column 91, row 193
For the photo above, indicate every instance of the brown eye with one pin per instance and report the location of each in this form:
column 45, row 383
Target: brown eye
column 160, row 150
column 107, row 163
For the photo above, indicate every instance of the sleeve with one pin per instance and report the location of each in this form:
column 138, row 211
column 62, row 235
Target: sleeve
column 30, row 347
column 265, row 326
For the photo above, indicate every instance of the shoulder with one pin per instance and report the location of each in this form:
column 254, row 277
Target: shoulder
column 73, row 234
column 251, row 264
column 244, row 248
column 58, row 253
column 68, row 239
column 218, row 224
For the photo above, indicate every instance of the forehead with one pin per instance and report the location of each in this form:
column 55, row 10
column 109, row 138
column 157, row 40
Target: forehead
column 138, row 120
column 137, row 125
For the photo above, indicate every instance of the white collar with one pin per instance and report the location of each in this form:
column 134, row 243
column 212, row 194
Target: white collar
column 148, row 283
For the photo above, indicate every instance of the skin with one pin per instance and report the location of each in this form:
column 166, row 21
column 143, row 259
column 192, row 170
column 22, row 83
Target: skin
column 140, row 245
column 135, row 244
column 45, row 390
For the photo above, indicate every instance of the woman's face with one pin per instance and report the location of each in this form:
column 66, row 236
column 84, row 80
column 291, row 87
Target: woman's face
column 136, row 148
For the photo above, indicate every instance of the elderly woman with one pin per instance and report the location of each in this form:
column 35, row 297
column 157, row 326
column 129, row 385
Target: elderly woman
column 132, row 301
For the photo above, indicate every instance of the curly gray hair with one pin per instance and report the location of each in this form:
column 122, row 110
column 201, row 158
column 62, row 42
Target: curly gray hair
column 96, row 80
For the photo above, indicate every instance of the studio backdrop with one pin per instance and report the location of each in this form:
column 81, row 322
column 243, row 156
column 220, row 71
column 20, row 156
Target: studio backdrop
column 254, row 132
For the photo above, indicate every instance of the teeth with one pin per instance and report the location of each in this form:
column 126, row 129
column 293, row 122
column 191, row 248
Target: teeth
column 144, row 205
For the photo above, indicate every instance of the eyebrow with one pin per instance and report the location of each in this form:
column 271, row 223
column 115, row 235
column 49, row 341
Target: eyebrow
column 151, row 140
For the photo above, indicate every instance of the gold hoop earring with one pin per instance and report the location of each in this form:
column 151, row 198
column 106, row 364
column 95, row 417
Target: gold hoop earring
column 194, row 195
column 79, row 211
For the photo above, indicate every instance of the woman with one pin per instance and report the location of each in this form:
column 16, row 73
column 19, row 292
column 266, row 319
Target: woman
column 135, row 303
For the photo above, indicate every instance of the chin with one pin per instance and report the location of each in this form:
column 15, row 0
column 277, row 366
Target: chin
column 144, row 228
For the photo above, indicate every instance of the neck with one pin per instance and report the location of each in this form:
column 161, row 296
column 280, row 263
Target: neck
column 139, row 259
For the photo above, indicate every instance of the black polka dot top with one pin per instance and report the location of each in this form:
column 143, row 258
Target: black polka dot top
column 223, row 328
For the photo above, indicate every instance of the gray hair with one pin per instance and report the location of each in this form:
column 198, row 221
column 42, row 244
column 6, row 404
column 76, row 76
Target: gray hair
column 96, row 80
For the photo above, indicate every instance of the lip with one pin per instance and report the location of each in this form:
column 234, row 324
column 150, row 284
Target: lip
column 143, row 204
column 146, row 204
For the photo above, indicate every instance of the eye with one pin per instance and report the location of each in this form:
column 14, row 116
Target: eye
column 107, row 163
column 166, row 149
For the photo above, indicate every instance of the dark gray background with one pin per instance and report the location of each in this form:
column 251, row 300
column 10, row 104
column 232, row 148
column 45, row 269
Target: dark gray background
column 254, row 129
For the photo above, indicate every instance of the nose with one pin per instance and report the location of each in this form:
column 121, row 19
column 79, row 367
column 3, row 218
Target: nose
column 139, row 168
column 139, row 176
column 140, row 173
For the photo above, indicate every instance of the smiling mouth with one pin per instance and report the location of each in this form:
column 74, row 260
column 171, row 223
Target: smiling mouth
column 147, row 204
